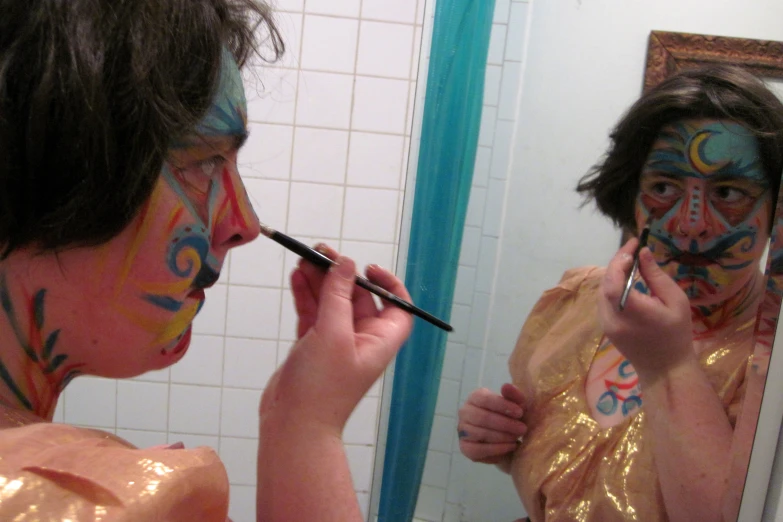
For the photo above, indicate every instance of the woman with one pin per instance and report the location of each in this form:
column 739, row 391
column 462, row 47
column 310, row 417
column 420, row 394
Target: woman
column 120, row 124
column 629, row 414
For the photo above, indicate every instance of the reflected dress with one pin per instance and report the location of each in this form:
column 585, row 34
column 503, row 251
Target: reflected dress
column 567, row 467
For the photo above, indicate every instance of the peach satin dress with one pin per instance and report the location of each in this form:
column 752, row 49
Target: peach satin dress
column 56, row 472
column 568, row 468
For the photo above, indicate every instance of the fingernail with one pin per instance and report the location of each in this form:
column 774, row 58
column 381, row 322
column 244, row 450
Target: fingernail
column 177, row 445
column 342, row 268
column 626, row 256
column 515, row 414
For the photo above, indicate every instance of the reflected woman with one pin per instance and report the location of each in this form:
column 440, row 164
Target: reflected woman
column 630, row 414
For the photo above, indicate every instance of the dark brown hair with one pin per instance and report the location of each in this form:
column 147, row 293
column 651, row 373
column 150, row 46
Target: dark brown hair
column 92, row 93
column 722, row 92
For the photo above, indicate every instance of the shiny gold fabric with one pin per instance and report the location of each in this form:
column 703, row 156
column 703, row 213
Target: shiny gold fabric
column 55, row 472
column 568, row 468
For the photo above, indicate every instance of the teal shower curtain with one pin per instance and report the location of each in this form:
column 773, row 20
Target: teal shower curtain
column 449, row 139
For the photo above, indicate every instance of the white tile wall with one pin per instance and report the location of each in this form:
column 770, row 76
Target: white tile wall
column 329, row 127
column 447, row 472
column 329, row 43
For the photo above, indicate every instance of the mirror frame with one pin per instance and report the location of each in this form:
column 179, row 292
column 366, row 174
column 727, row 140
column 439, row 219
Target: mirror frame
column 667, row 53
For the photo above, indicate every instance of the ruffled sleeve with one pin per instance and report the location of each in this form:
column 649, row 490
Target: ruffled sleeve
column 60, row 472
column 566, row 315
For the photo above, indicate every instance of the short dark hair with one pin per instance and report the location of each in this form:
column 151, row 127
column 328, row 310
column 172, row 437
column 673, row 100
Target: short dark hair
column 721, row 92
column 92, row 93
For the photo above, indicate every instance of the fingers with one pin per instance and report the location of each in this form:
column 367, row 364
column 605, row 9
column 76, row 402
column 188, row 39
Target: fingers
column 487, row 400
column 486, row 453
column 393, row 284
column 486, row 411
column 489, row 424
column 661, row 285
column 472, row 433
column 304, row 302
column 513, row 394
column 618, row 270
column 335, row 312
column 475, row 423
column 382, row 277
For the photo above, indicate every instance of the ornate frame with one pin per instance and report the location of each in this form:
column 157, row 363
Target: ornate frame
column 668, row 53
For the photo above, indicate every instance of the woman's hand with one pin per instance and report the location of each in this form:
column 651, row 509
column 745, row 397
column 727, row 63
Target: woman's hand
column 654, row 332
column 490, row 425
column 345, row 343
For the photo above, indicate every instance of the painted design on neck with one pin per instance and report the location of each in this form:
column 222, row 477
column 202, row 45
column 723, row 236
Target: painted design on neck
column 45, row 372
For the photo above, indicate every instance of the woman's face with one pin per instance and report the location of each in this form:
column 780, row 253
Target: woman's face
column 704, row 184
column 127, row 306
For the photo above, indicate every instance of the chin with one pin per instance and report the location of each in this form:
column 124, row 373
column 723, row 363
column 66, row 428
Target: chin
column 699, row 291
column 176, row 350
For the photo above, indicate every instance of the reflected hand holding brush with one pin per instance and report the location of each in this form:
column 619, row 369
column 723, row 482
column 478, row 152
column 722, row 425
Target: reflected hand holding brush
column 635, row 268
column 322, row 261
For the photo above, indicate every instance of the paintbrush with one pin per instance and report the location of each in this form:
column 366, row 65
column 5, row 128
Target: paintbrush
column 322, row 261
column 635, row 267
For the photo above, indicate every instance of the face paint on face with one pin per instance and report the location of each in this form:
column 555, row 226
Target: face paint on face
column 197, row 212
column 201, row 172
column 704, row 183
column 126, row 307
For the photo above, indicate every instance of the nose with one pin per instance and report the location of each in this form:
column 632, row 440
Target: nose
column 693, row 217
column 236, row 223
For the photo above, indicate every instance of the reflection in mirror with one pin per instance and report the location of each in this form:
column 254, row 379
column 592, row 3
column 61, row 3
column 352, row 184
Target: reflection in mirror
column 536, row 143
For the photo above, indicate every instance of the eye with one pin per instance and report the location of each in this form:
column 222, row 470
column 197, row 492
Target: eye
column 726, row 194
column 661, row 189
column 198, row 176
column 209, row 166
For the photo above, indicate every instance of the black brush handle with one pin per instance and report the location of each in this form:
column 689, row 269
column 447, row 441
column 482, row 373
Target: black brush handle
column 318, row 259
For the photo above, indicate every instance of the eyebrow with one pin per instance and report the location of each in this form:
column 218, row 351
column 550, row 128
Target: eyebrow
column 237, row 140
column 726, row 175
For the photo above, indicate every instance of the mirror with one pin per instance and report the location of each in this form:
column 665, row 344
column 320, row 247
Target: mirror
column 559, row 76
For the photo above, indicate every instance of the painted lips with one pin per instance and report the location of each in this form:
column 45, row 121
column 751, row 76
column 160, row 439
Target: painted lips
column 198, row 294
column 183, row 343
column 694, row 260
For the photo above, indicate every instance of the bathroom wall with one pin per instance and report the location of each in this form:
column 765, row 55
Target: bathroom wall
column 325, row 161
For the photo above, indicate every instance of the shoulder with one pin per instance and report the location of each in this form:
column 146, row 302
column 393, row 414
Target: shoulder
column 564, row 316
column 77, row 470
column 582, row 278
column 577, row 285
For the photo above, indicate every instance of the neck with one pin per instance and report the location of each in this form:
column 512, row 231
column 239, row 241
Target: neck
column 731, row 313
column 33, row 368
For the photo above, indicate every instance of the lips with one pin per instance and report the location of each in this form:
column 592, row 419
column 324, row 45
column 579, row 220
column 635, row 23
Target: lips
column 206, row 277
column 183, row 343
column 198, row 293
column 694, row 260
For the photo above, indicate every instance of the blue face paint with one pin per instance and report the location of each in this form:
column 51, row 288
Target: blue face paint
column 228, row 114
column 190, row 254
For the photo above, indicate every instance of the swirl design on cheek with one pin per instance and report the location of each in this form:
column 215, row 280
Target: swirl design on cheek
column 189, row 257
